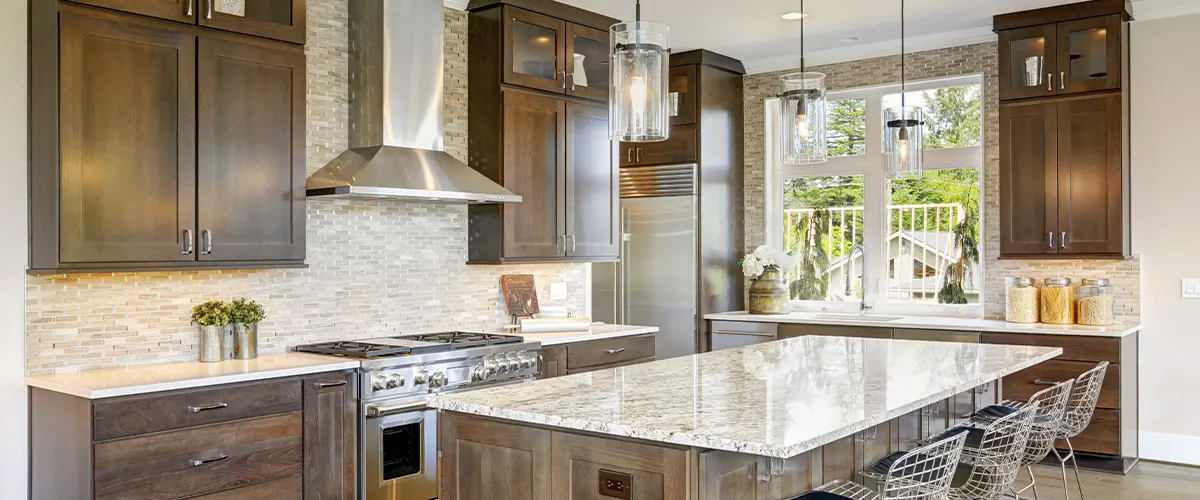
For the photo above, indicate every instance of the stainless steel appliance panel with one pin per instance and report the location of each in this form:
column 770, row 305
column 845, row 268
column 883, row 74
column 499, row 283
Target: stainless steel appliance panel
column 729, row 334
column 400, row 454
column 659, row 270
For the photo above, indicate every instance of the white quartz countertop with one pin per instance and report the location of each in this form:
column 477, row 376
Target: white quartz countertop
column 141, row 379
column 597, row 332
column 930, row 322
column 776, row 399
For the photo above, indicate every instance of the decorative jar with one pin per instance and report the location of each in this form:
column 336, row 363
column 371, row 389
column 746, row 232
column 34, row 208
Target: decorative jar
column 1020, row 301
column 1094, row 302
column 1058, row 302
column 769, row 293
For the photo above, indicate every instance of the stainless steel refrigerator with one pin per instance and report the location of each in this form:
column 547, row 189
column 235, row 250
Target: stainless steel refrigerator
column 656, row 281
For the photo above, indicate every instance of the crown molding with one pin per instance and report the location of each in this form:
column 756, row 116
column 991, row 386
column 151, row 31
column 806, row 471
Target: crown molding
column 456, row 4
column 1145, row 10
column 857, row 52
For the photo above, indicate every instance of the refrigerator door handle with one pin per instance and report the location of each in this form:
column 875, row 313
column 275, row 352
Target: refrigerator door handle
column 623, row 270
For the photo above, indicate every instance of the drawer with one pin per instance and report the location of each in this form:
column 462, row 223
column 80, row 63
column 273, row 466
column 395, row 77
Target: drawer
column 1075, row 348
column 609, row 351
column 124, row 417
column 612, row 365
column 800, row 330
column 1022, row 385
column 201, row 460
column 288, row 488
column 681, row 147
column 745, row 328
column 1103, row 436
column 937, row 335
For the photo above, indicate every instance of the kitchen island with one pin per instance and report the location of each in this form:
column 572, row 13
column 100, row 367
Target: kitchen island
column 762, row 422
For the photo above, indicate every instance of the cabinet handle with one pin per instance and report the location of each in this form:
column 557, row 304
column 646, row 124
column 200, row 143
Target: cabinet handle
column 639, row 155
column 560, row 245
column 206, row 243
column 196, row 462
column 191, row 8
column 188, row 243
column 618, row 350
column 1062, row 240
column 563, row 83
column 326, row 385
column 214, row 406
column 1043, row 382
column 208, row 12
column 572, row 77
column 1051, row 240
column 629, row 156
column 572, row 237
column 1050, row 82
column 1062, row 80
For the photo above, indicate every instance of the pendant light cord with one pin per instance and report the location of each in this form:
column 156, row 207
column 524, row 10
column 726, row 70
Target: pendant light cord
column 902, row 101
column 803, row 14
column 637, row 14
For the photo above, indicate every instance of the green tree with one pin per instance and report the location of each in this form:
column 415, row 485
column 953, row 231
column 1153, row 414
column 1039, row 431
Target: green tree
column 847, row 134
column 953, row 117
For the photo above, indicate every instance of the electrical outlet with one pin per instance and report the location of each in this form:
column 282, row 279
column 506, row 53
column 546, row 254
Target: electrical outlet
column 558, row 290
column 1191, row 288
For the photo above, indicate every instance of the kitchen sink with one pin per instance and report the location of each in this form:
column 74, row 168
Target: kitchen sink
column 857, row 317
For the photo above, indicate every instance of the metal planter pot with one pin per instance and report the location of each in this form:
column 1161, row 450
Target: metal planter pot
column 212, row 343
column 769, row 294
column 245, row 341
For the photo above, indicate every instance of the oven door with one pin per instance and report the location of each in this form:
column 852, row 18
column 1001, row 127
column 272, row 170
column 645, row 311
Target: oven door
column 400, row 451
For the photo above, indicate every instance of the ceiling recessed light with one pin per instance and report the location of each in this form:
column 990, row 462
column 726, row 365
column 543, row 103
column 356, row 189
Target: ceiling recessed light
column 793, row 16
column 850, row 39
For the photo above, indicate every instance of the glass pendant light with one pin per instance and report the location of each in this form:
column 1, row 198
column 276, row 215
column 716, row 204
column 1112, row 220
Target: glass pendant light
column 904, row 142
column 640, row 105
column 802, row 101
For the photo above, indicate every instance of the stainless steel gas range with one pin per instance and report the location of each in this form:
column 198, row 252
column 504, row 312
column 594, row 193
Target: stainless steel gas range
column 398, row 430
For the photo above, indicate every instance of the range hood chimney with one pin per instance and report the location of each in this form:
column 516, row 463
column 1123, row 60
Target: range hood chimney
column 396, row 148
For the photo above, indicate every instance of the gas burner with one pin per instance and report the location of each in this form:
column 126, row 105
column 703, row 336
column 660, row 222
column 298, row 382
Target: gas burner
column 363, row 350
column 463, row 340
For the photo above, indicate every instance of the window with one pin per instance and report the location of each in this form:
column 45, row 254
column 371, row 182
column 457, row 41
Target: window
column 911, row 245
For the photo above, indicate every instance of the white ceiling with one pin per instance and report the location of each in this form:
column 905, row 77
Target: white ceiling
column 752, row 31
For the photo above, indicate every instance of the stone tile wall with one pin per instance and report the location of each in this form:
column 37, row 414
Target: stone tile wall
column 941, row 63
column 375, row 267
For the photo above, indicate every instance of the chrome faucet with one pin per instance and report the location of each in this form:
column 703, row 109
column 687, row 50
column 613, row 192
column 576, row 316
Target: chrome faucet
column 862, row 305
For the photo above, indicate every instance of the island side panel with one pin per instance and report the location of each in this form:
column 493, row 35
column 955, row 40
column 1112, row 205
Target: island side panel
column 489, row 460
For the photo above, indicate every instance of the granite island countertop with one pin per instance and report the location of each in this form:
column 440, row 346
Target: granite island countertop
column 776, row 399
column 929, row 322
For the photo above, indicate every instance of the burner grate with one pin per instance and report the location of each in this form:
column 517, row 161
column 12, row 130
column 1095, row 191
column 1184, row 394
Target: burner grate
column 362, row 350
column 464, row 340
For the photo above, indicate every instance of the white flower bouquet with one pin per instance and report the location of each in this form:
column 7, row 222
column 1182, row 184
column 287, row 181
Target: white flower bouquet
column 766, row 258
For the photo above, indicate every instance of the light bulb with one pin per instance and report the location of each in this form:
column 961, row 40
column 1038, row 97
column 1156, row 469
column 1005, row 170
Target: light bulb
column 802, row 126
column 637, row 98
column 902, row 145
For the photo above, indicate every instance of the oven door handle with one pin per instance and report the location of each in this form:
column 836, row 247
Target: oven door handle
column 385, row 410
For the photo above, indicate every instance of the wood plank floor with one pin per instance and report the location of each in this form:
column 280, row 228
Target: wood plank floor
column 1147, row 481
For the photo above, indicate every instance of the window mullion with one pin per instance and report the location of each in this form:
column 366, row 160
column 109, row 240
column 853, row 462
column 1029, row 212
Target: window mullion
column 874, row 206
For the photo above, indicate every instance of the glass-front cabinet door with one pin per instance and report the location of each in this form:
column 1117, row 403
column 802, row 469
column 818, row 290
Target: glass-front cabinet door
column 278, row 19
column 1089, row 54
column 533, row 50
column 1028, row 62
column 587, row 69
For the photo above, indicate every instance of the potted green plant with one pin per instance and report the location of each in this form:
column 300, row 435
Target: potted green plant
column 212, row 316
column 245, row 315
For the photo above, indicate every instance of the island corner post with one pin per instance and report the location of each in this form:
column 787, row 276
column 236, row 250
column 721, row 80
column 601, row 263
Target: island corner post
column 517, row 443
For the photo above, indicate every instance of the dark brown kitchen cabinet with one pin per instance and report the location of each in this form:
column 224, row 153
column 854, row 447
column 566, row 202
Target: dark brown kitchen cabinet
column 1028, row 59
column 330, row 436
column 1063, row 50
column 1063, row 181
column 683, row 146
column 536, row 128
column 278, row 19
column 158, row 145
column 580, row 357
column 683, row 87
column 251, row 153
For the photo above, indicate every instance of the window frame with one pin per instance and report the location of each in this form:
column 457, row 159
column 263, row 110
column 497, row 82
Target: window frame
column 876, row 197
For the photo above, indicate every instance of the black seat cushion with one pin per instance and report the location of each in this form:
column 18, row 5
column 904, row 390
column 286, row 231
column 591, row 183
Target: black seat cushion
column 821, row 495
column 974, row 436
column 996, row 411
column 922, row 464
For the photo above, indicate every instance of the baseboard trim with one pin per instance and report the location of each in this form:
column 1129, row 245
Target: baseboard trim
column 1171, row 448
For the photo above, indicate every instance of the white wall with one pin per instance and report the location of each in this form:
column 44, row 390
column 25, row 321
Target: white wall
column 1166, row 180
column 13, row 206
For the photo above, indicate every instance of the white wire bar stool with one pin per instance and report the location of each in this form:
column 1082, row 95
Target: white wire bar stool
column 921, row 474
column 1078, row 416
column 1047, row 420
column 997, row 458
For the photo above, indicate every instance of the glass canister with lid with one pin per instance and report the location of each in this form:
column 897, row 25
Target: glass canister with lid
column 1058, row 302
column 1020, row 301
column 1094, row 302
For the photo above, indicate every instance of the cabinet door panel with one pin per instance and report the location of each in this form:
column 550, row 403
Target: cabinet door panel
column 1028, row 179
column 534, row 156
column 592, row 192
column 175, row 10
column 251, row 158
column 1090, row 176
column 587, row 55
column 1028, row 58
column 534, row 51
column 278, row 19
column 683, row 82
column 682, row 147
column 330, row 437
column 489, row 460
column 128, row 188
column 1089, row 54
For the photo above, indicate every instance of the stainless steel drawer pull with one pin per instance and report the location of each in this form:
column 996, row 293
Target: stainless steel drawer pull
column 325, row 385
column 1043, row 382
column 1050, row 82
column 190, row 8
column 206, row 243
column 731, row 332
column 210, row 9
column 1051, row 240
column 188, row 243
column 196, row 462
column 1062, row 80
column 214, row 406
column 616, row 351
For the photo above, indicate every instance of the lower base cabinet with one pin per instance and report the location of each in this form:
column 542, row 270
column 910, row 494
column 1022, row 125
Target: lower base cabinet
column 592, row 355
column 279, row 439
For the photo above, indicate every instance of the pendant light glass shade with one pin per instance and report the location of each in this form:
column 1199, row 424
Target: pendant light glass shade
column 904, row 141
column 802, row 110
column 640, row 105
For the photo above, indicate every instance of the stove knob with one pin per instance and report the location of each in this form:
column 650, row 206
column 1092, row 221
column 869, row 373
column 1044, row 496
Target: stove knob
column 437, row 380
column 489, row 368
column 526, row 362
column 478, row 374
column 421, row 377
column 395, row 380
column 379, row 382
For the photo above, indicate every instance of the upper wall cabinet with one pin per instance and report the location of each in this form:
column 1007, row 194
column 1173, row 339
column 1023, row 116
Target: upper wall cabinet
column 158, row 145
column 1061, row 51
column 278, row 19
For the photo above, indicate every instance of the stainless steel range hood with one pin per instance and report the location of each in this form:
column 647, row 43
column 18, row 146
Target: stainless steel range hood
column 396, row 148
